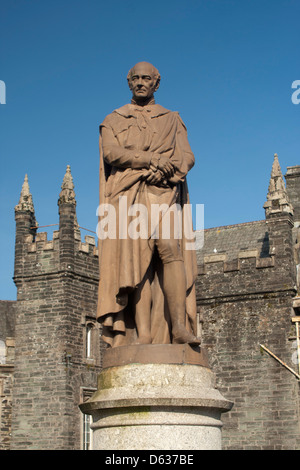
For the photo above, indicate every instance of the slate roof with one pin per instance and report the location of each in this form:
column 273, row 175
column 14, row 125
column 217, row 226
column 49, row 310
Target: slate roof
column 231, row 239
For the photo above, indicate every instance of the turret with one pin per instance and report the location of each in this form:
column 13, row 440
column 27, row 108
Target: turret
column 280, row 222
column 67, row 222
column 25, row 223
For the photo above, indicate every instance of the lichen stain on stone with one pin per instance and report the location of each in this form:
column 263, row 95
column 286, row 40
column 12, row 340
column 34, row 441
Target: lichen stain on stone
column 135, row 414
column 105, row 380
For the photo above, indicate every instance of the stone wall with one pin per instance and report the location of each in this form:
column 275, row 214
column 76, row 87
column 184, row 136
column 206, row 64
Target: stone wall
column 265, row 414
column 245, row 302
column 7, row 331
column 6, row 390
column 292, row 177
column 7, row 319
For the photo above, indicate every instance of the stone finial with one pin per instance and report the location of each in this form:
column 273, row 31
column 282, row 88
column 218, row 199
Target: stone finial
column 25, row 202
column 277, row 198
column 67, row 194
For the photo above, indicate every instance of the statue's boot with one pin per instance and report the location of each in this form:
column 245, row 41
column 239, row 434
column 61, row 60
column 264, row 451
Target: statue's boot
column 175, row 291
column 182, row 336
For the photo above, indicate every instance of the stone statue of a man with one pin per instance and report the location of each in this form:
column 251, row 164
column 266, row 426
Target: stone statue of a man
column 147, row 283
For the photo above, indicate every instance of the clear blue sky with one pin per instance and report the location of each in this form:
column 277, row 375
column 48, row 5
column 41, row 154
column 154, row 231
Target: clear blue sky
column 227, row 66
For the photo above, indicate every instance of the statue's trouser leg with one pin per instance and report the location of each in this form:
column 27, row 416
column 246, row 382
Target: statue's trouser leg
column 174, row 287
column 142, row 303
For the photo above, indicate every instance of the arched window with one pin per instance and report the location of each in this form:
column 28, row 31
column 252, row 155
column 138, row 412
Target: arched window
column 2, row 352
column 89, row 341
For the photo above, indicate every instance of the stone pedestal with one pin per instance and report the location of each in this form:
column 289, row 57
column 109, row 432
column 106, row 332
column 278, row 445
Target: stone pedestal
column 156, row 397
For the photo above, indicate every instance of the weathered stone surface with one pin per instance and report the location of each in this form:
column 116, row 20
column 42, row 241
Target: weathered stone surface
column 157, row 406
column 156, row 354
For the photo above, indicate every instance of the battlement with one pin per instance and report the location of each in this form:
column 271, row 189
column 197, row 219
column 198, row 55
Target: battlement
column 220, row 262
column 88, row 246
column 40, row 243
column 257, row 245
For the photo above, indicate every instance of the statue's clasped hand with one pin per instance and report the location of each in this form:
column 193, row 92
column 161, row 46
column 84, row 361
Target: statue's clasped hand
column 155, row 177
column 163, row 164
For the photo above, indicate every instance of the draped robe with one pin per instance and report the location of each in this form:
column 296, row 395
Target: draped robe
column 129, row 139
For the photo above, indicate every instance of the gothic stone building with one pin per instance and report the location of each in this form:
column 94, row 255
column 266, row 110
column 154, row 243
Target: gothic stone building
column 50, row 348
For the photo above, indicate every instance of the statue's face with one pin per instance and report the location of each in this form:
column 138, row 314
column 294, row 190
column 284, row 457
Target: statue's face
column 142, row 82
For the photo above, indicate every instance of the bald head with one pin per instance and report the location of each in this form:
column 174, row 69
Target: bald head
column 144, row 67
column 143, row 80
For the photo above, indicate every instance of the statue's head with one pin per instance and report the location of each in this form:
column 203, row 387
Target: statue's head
column 143, row 80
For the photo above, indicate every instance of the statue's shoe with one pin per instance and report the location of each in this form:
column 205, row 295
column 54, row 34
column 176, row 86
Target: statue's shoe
column 182, row 336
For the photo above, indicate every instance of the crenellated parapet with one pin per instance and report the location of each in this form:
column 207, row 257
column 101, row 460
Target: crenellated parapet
column 88, row 246
column 223, row 263
column 40, row 243
column 43, row 256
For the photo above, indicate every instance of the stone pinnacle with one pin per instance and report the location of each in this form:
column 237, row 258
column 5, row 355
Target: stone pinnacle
column 277, row 198
column 25, row 202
